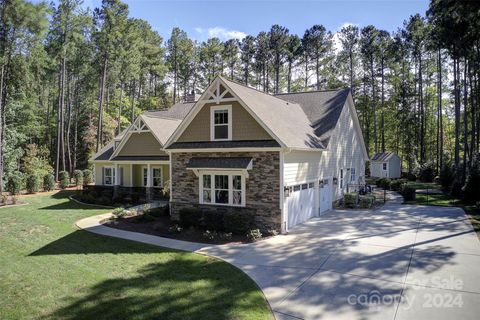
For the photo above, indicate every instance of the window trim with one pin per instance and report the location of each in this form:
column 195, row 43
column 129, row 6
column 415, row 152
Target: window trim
column 384, row 166
column 112, row 176
column 353, row 174
column 230, row 174
column 144, row 183
column 228, row 108
column 341, row 178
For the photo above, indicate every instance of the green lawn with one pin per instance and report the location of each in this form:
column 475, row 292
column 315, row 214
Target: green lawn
column 449, row 201
column 423, row 185
column 50, row 269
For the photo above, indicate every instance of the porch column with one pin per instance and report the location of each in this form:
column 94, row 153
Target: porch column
column 149, row 176
column 131, row 175
column 117, row 177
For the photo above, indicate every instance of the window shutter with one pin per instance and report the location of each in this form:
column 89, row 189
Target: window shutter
column 103, row 175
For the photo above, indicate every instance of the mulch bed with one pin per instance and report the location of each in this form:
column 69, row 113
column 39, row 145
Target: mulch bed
column 160, row 227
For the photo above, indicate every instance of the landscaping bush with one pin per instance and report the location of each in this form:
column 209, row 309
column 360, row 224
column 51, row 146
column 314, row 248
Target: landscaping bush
column 408, row 192
column 253, row 235
column 119, row 212
column 33, row 183
column 238, row 222
column 175, row 229
column 213, row 220
column 226, row 236
column 15, row 183
column 190, row 217
column 210, row 235
column 367, row 201
column 426, row 171
column 64, row 179
column 350, row 200
column 48, row 182
column 371, row 180
column 410, row 176
column 471, row 192
column 159, row 211
column 87, row 177
column 3, row 199
column 78, row 176
column 384, row 183
column 396, row 185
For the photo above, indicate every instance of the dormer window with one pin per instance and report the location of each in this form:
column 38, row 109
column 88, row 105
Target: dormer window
column 221, row 123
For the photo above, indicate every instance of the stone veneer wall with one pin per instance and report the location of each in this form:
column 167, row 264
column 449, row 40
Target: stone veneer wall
column 262, row 187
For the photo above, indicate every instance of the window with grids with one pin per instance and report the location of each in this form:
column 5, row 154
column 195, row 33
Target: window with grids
column 352, row 175
column 108, row 176
column 157, row 177
column 223, row 189
column 221, row 124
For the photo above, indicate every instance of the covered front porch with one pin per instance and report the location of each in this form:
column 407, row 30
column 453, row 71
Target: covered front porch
column 153, row 174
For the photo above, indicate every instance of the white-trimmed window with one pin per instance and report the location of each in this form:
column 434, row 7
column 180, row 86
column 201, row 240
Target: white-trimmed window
column 145, row 176
column 157, row 177
column 222, row 188
column 108, row 176
column 341, row 178
column 384, row 165
column 221, row 123
column 353, row 176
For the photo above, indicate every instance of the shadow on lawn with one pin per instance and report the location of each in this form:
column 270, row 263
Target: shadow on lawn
column 69, row 204
column 177, row 289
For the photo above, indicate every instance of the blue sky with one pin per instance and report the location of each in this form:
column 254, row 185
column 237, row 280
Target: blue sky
column 229, row 18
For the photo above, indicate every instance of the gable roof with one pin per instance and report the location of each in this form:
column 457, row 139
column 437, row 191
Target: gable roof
column 382, row 156
column 177, row 111
column 285, row 119
column 322, row 108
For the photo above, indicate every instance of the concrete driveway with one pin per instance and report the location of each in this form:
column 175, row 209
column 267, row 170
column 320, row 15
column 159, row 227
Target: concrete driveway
column 399, row 262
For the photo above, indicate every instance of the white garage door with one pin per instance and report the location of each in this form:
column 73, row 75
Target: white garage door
column 300, row 203
column 325, row 195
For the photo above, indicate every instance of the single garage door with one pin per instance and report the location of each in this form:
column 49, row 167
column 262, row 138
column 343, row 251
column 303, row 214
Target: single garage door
column 300, row 203
column 325, row 195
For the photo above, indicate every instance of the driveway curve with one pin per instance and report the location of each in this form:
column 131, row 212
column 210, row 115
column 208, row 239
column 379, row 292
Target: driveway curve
column 398, row 262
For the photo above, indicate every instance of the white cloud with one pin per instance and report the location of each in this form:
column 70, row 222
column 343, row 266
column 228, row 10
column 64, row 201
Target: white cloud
column 337, row 44
column 221, row 33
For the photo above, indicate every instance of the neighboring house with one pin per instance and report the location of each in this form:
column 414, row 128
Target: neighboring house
column 283, row 158
column 385, row 165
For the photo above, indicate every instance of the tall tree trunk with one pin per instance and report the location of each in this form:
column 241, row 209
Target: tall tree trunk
column 350, row 54
column 306, row 73
column 100, row 109
column 383, row 106
column 465, row 118
column 59, row 127
column 422, row 111
column 457, row 112
column 132, row 116
column 440, row 112
column 372, row 72
column 69, row 123
column 120, row 105
column 289, row 76
column 317, row 70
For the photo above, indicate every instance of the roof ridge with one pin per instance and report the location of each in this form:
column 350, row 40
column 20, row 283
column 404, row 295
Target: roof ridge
column 262, row 92
column 313, row 91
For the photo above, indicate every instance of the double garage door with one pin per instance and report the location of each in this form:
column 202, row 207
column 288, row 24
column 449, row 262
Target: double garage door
column 308, row 200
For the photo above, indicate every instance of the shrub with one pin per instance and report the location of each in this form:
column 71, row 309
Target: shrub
column 159, row 211
column 190, row 217
column 471, row 191
column 15, row 183
column 410, row 176
column 213, row 220
column 408, row 192
column 4, row 199
column 14, row 199
column 226, row 236
column 210, row 235
column 426, row 171
column 48, row 182
column 175, row 229
column 166, row 189
column 64, row 179
column 384, row 183
column 33, row 183
column 78, row 176
column 272, row 232
column 87, row 177
column 253, row 235
column 119, row 212
column 238, row 222
column 350, row 200
column 396, row 185
column 367, row 201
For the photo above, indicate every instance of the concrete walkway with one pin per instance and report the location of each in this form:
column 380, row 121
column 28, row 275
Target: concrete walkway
column 398, row 262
